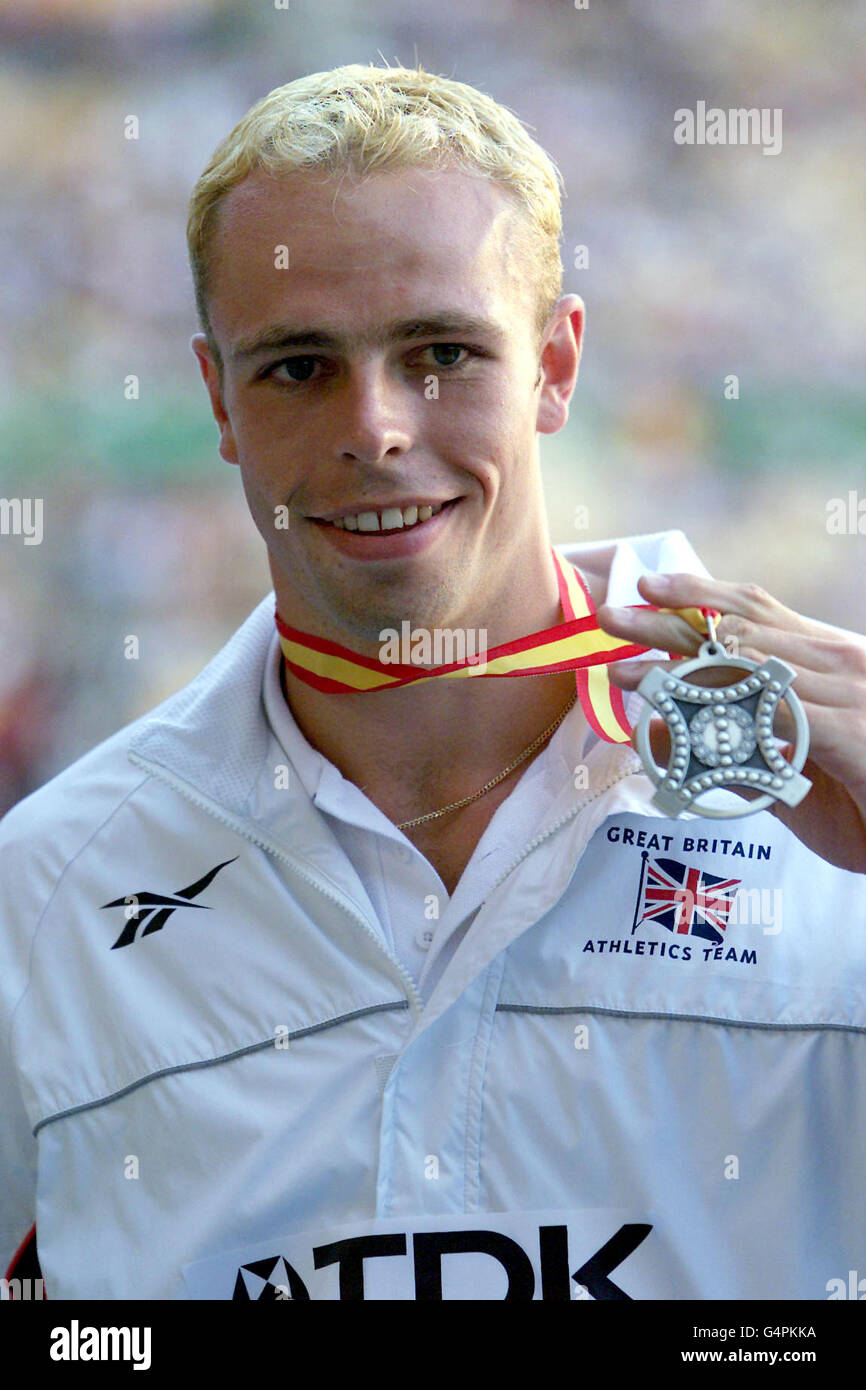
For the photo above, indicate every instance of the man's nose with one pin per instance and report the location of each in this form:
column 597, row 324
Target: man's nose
column 373, row 415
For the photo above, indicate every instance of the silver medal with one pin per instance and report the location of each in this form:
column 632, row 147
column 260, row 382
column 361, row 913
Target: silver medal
column 722, row 737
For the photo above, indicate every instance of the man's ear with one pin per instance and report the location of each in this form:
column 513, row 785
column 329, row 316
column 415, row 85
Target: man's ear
column 560, row 359
column 209, row 370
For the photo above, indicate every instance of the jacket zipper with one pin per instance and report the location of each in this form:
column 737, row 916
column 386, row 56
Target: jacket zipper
column 558, row 824
column 245, row 830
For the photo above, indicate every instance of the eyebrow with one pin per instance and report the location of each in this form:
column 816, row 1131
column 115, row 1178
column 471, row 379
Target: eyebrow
column 282, row 336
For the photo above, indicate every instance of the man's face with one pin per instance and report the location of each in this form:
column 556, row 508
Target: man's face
column 392, row 365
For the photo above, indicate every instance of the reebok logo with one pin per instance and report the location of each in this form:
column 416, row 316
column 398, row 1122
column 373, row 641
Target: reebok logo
column 158, row 908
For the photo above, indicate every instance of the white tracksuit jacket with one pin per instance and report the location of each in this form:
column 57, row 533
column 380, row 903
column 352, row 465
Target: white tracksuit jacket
column 249, row 1101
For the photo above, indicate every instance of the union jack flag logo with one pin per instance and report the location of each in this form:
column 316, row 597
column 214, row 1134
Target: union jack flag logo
column 687, row 901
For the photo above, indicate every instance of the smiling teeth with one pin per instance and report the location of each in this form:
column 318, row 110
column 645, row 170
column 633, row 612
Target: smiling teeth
column 389, row 519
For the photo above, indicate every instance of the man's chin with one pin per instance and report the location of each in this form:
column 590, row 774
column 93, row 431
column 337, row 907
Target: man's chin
column 359, row 603
column 369, row 638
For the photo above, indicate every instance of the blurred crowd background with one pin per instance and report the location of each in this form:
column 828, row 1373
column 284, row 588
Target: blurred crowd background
column 703, row 262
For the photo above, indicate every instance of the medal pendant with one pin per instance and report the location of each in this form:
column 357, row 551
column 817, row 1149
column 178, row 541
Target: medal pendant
column 722, row 736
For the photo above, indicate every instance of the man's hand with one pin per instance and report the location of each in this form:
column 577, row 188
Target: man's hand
column 831, row 683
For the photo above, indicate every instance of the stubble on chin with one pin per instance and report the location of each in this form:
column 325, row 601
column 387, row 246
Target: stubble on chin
column 362, row 612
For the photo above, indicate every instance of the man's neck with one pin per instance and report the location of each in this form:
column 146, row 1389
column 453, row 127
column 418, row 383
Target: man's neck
column 421, row 747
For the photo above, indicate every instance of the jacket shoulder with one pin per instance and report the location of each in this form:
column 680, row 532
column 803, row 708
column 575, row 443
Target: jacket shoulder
column 42, row 833
column 61, row 816
column 100, row 777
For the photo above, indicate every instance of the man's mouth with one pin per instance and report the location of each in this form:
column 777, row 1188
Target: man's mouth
column 394, row 518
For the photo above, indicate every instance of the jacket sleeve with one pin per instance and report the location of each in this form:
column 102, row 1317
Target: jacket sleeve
column 17, row 1144
column 17, row 1165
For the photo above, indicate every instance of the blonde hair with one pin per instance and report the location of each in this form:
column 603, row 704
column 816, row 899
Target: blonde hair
column 368, row 119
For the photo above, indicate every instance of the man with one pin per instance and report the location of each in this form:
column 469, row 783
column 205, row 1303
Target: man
column 319, row 988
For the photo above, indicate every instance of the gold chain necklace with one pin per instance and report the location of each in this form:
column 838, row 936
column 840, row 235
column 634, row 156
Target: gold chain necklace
column 488, row 786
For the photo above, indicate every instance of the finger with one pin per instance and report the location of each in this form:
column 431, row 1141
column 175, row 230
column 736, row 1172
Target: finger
column 843, row 656
column 665, row 632
column 748, row 600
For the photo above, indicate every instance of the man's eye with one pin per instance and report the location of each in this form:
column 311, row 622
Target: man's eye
column 303, row 366
column 450, row 350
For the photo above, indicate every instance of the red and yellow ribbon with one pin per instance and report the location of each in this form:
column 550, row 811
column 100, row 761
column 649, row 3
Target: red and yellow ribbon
column 577, row 644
